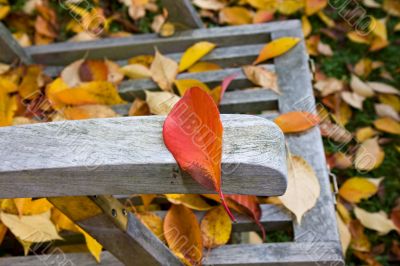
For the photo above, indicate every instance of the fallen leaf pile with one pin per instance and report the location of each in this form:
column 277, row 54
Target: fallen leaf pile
column 356, row 84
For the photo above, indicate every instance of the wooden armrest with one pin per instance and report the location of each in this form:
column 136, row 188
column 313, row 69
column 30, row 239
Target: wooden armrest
column 127, row 155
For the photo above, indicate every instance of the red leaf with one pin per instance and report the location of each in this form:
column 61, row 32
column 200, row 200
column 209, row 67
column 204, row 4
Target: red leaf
column 249, row 205
column 226, row 82
column 192, row 132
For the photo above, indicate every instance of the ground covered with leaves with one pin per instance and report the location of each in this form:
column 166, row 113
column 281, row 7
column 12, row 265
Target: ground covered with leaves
column 356, row 49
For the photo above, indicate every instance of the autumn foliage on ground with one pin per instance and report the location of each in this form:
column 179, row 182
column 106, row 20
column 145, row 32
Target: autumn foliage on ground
column 356, row 84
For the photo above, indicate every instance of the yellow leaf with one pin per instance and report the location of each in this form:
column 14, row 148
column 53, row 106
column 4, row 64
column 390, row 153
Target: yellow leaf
column 289, row 7
column 397, row 27
column 94, row 92
column 369, row 155
column 181, row 223
column 136, row 71
column 56, row 86
column 62, row 222
column 276, row 48
column 327, row 20
column 357, row 188
column 145, row 60
column 365, row 133
column 163, row 71
column 391, row 100
column 194, row 54
column 4, row 10
column 216, row 227
column 185, row 84
column 7, row 85
column 88, row 111
column 314, row 6
column 392, row 7
column 29, row 87
column 345, row 236
column 343, row 212
column 147, row 199
column 20, row 203
column 93, row 246
column 76, row 208
column 235, row 15
column 33, row 228
column 8, row 106
column 377, row 221
column 387, row 125
column 262, row 77
column 269, row 5
column 203, row 67
column 153, row 222
column 378, row 28
column 306, row 26
column 303, row 187
column 192, row 201
column 357, row 38
column 161, row 103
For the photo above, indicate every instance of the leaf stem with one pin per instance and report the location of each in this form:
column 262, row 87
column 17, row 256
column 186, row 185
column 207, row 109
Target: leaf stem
column 221, row 195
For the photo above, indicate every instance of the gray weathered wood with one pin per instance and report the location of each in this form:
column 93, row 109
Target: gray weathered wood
column 136, row 246
column 182, row 13
column 58, row 258
column 10, row 49
column 123, row 48
column 127, row 155
column 226, row 57
column 130, row 89
column 238, row 101
column 318, row 224
column 273, row 218
column 282, row 254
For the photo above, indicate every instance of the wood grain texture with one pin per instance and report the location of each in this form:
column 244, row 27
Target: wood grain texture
column 123, row 48
column 282, row 254
column 127, row 156
column 130, row 89
column 10, row 49
column 238, row 101
column 137, row 246
column 226, row 57
column 182, row 13
column 57, row 258
column 318, row 224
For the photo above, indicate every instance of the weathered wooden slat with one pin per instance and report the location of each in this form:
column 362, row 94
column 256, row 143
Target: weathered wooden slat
column 182, row 13
column 282, row 254
column 135, row 88
column 318, row 224
column 116, row 229
column 127, row 155
column 273, row 218
column 226, row 57
column 58, row 258
column 122, row 48
column 287, row 254
column 10, row 49
column 239, row 101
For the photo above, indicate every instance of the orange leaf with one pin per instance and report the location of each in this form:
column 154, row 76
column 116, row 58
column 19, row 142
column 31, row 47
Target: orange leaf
column 93, row 70
column 235, row 15
column 248, row 205
column 313, row 6
column 29, row 88
column 180, row 223
column 276, row 48
column 94, row 92
column 192, row 132
column 294, row 122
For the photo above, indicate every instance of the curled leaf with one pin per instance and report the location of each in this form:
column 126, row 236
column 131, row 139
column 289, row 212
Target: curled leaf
column 194, row 53
column 196, row 148
column 216, row 227
column 181, row 223
column 163, row 71
column 276, row 48
column 294, row 122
